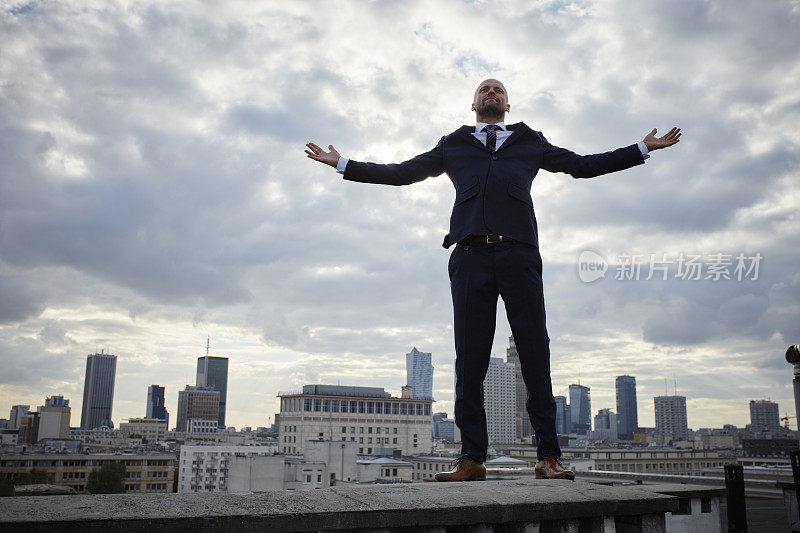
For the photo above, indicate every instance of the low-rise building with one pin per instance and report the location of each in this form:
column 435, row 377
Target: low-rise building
column 145, row 472
column 151, row 429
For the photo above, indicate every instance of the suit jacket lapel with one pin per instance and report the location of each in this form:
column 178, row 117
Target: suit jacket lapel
column 516, row 130
column 466, row 132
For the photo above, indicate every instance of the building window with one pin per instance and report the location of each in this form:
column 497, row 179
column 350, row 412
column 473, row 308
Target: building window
column 326, row 406
column 394, row 472
column 403, row 408
column 344, row 429
column 369, row 430
column 306, row 404
column 419, row 409
column 352, row 429
column 361, row 440
column 394, row 440
column 317, row 405
column 395, row 408
column 361, row 450
column 361, row 407
column 427, row 410
column 306, row 478
column 395, row 431
column 334, row 406
column 378, row 408
column 370, row 407
column 361, row 429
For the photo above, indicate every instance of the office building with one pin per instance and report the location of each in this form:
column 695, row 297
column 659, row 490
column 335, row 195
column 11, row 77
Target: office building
column 443, row 427
column 671, row 423
column 580, row 407
column 627, row 411
column 419, row 373
column 156, row 408
column 563, row 419
column 605, row 426
column 98, row 389
column 368, row 416
column 18, row 412
column 499, row 401
column 523, row 420
column 54, row 417
column 201, row 403
column 765, row 421
column 213, row 372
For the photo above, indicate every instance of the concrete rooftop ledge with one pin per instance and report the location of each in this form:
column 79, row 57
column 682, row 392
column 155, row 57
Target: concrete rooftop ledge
column 435, row 505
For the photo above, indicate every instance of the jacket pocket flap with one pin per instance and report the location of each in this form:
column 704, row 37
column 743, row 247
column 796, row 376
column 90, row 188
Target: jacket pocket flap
column 466, row 194
column 520, row 194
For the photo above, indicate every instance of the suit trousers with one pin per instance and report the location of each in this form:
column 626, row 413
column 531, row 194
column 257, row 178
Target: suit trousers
column 479, row 273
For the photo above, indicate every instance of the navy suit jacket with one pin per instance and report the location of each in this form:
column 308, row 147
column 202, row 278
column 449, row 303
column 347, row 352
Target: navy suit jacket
column 493, row 191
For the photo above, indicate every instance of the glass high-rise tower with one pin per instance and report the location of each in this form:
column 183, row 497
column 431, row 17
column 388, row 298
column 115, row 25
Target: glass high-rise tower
column 419, row 373
column 627, row 412
column 213, row 372
column 580, row 406
column 98, row 389
column 155, row 404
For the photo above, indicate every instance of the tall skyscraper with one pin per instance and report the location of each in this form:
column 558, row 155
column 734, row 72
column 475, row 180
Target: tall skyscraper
column 563, row 419
column 54, row 418
column 671, row 421
column 499, row 401
column 580, row 406
column 200, row 403
column 419, row 374
column 98, row 389
column 18, row 412
column 765, row 419
column 213, row 372
column 523, row 421
column 155, row 404
column 627, row 411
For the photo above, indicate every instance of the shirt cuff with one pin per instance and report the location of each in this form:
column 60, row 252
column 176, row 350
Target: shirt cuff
column 342, row 164
column 643, row 149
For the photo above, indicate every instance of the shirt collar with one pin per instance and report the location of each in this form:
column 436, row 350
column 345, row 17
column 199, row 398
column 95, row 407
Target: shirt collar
column 480, row 125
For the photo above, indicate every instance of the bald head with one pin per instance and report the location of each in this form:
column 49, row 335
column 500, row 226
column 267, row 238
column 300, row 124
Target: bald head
column 490, row 102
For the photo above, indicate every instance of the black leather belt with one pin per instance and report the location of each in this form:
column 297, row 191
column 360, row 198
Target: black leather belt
column 483, row 239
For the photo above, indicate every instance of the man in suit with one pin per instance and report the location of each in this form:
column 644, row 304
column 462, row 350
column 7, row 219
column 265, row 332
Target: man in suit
column 493, row 226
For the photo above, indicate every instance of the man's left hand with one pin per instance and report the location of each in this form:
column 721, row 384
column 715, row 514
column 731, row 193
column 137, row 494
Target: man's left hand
column 654, row 143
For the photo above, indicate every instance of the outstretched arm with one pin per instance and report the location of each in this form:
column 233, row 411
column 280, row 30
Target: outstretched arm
column 416, row 169
column 556, row 159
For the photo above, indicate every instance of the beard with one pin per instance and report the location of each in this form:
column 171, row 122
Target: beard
column 490, row 109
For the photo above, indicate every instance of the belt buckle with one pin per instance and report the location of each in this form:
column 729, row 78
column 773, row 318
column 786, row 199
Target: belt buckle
column 492, row 238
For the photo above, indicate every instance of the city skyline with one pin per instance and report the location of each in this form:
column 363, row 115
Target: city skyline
column 150, row 201
column 592, row 409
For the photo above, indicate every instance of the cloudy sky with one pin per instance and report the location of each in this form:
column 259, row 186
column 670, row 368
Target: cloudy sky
column 154, row 191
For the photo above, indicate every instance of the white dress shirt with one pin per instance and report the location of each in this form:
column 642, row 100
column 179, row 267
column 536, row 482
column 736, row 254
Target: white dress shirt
column 502, row 135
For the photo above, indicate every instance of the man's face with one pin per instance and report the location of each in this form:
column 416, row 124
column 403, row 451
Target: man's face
column 491, row 99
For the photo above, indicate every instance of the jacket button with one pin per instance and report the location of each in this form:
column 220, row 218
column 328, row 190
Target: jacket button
column 494, row 157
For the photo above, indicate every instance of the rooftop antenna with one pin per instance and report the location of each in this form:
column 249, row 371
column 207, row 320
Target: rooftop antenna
column 208, row 344
column 666, row 391
column 676, row 385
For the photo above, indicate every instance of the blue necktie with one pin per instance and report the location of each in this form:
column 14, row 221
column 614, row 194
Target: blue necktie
column 491, row 136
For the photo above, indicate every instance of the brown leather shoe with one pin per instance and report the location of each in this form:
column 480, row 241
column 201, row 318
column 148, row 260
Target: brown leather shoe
column 551, row 468
column 465, row 470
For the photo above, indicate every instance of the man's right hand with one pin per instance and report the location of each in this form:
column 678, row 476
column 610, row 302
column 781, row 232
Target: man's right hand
column 318, row 154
